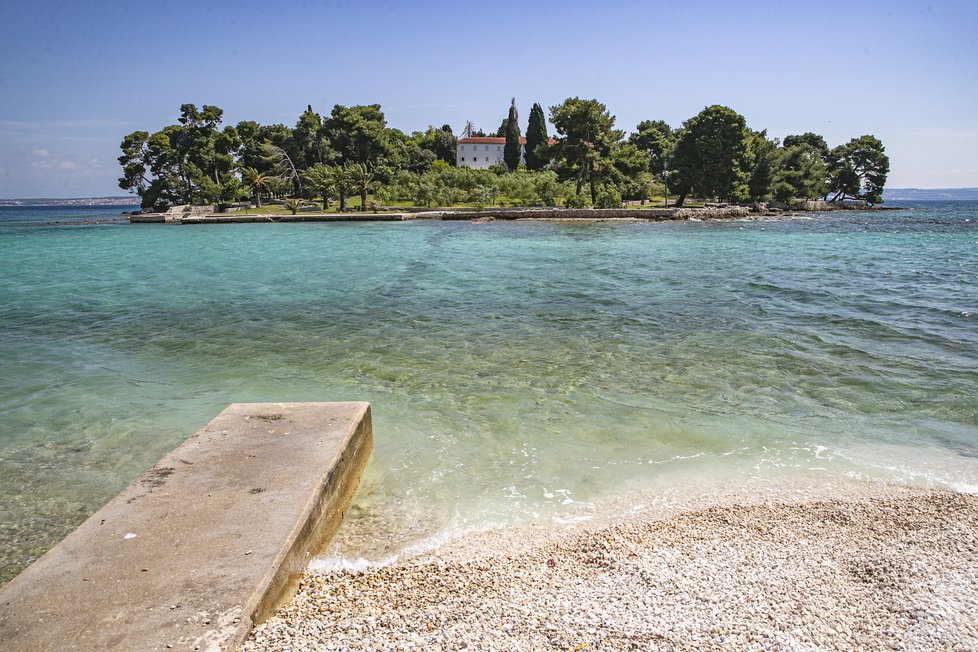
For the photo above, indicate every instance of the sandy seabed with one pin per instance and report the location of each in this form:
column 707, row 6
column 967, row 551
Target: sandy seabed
column 868, row 568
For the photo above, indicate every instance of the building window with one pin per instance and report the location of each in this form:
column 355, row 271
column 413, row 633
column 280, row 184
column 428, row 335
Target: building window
column 463, row 158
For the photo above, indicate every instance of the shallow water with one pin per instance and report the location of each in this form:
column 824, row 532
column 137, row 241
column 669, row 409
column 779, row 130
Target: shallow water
column 516, row 370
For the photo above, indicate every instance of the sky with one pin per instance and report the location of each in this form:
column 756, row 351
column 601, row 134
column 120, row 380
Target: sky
column 75, row 77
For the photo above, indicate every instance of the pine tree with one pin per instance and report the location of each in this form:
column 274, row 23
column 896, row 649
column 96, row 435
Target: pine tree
column 511, row 151
column 536, row 135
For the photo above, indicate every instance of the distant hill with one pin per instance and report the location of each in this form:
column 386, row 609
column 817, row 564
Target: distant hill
column 932, row 194
column 124, row 200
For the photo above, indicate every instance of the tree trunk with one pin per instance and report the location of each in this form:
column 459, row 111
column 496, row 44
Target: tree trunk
column 342, row 200
column 258, row 196
column 363, row 200
column 680, row 199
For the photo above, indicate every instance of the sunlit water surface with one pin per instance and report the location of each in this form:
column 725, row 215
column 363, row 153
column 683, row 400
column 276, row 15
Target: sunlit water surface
column 516, row 371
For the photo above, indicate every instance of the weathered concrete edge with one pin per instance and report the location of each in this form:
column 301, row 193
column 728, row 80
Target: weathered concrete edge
column 321, row 518
column 315, row 521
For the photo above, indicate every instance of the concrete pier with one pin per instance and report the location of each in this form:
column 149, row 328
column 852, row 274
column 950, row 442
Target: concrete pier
column 205, row 544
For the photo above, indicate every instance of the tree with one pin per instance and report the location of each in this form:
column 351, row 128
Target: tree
column 858, row 169
column 279, row 187
column 586, row 135
column 766, row 162
column 440, row 142
column 181, row 163
column 803, row 169
column 658, row 139
column 231, row 190
column 511, row 150
column 320, row 178
column 201, row 145
column 626, row 171
column 341, row 183
column 812, row 142
column 257, row 180
column 503, row 126
column 282, row 165
column 536, row 139
column 135, row 162
column 711, row 155
column 359, row 134
column 251, row 153
column 293, row 205
column 362, row 180
column 310, row 140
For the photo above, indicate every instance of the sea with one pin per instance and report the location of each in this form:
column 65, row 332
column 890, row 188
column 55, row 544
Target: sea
column 518, row 372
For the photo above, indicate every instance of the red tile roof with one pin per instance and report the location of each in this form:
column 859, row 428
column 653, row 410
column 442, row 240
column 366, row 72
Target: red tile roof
column 480, row 140
column 486, row 140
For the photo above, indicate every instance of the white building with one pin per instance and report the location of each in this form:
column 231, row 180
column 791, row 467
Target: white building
column 481, row 152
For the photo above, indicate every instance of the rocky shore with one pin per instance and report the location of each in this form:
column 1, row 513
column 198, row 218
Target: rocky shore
column 206, row 214
column 873, row 569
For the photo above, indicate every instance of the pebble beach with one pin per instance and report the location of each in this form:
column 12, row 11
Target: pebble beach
column 869, row 568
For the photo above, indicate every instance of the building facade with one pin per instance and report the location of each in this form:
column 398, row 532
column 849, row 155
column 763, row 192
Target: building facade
column 481, row 152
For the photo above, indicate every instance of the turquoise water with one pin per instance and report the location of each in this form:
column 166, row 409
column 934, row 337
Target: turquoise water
column 515, row 370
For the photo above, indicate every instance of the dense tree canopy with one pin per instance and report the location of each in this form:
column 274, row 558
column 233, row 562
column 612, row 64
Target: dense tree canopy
column 440, row 142
column 352, row 151
column 311, row 144
column 763, row 161
column 803, row 167
column 586, row 137
column 656, row 138
column 712, row 155
column 858, row 169
column 359, row 134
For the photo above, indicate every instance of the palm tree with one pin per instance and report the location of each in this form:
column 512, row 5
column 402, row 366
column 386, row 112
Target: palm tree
column 257, row 180
column 294, row 205
column 278, row 187
column 362, row 179
column 341, row 182
column 320, row 178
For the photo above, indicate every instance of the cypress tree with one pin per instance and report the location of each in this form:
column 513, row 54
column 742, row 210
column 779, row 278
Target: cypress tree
column 536, row 134
column 511, row 151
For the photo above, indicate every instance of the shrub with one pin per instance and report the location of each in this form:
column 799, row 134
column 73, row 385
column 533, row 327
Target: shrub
column 576, row 201
column 609, row 198
column 783, row 191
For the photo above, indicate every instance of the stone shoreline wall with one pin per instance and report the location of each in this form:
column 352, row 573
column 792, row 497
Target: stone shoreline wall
column 651, row 214
column 200, row 215
column 824, row 205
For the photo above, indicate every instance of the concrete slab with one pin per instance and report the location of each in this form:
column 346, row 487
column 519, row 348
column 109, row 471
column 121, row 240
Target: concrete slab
column 206, row 543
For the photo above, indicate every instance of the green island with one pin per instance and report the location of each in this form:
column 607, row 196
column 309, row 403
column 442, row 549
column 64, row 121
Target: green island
column 351, row 160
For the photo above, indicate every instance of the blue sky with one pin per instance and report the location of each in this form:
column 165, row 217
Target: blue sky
column 77, row 77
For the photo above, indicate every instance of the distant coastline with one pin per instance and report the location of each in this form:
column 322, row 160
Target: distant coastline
column 124, row 200
column 929, row 194
column 889, row 194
